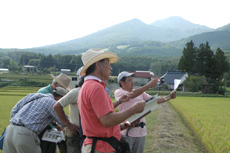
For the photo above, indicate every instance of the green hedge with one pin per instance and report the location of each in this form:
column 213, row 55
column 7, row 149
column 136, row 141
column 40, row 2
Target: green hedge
column 28, row 82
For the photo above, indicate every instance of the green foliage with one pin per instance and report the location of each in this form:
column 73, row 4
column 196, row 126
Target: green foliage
column 161, row 66
column 194, row 83
column 187, row 61
column 25, row 57
column 13, row 66
column 26, row 82
column 221, row 64
column 217, row 39
column 4, row 84
column 204, row 62
column 148, row 48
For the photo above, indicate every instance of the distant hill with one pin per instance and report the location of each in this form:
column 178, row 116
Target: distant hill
column 176, row 22
column 132, row 31
column 163, row 38
column 217, row 39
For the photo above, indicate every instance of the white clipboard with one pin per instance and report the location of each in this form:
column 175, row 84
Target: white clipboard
column 151, row 104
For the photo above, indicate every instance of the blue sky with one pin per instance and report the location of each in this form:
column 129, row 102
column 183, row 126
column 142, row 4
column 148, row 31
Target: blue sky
column 34, row 23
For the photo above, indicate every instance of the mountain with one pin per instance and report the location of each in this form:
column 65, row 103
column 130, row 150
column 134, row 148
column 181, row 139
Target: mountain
column 180, row 27
column 217, row 39
column 226, row 27
column 176, row 22
column 126, row 33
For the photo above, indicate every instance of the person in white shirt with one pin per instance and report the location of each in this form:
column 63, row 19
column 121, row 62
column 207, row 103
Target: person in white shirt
column 72, row 125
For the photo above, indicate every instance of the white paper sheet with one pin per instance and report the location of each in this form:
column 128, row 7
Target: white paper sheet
column 177, row 82
column 53, row 136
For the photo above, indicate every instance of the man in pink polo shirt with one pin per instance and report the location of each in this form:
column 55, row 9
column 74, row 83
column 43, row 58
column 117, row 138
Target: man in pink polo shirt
column 98, row 117
column 135, row 136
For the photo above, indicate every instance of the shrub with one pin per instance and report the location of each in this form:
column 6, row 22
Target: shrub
column 27, row 82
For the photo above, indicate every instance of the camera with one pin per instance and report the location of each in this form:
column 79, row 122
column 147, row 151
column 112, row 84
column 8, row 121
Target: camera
column 161, row 81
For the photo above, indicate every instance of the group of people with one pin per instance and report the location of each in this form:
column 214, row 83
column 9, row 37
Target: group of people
column 92, row 121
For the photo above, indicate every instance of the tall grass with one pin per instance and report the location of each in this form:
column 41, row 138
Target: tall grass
column 209, row 119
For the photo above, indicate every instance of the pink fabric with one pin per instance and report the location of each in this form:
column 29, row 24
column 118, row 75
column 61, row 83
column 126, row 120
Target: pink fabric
column 94, row 103
column 136, row 131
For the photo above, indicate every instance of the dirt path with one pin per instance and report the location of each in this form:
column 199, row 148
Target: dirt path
column 170, row 135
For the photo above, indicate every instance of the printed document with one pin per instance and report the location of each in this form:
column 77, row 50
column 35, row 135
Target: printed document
column 53, row 136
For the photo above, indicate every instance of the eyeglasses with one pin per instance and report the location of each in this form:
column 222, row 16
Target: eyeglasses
column 106, row 62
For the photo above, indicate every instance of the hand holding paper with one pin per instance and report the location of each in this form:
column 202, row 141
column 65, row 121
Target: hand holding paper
column 172, row 95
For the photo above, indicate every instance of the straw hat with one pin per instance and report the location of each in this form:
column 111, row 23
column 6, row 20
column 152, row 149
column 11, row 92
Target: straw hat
column 63, row 80
column 93, row 55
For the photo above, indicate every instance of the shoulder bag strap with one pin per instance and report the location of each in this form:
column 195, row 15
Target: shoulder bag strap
column 112, row 141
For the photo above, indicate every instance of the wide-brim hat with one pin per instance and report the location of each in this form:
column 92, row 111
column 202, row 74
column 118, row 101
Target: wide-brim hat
column 63, row 80
column 94, row 55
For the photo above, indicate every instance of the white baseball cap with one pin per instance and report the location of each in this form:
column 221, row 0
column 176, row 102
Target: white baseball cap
column 60, row 91
column 123, row 74
column 79, row 71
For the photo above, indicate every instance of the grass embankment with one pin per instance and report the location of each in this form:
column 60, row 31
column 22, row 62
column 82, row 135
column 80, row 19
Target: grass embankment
column 208, row 118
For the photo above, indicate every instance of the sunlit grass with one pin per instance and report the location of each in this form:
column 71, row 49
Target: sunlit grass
column 208, row 118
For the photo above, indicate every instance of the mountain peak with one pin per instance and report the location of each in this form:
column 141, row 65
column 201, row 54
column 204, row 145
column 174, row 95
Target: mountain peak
column 134, row 21
column 176, row 22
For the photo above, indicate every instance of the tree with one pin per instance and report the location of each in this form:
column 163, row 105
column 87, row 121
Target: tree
column 34, row 62
column 206, row 64
column 13, row 66
column 6, row 62
column 221, row 64
column 47, row 61
column 187, row 62
column 205, row 60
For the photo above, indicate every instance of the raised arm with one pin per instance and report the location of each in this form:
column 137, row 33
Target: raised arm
column 162, row 99
column 139, row 91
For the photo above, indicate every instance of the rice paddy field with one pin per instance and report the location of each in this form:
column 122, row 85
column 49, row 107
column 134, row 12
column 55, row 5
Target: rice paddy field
column 208, row 118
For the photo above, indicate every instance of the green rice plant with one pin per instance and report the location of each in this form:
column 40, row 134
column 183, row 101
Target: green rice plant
column 208, row 118
column 9, row 96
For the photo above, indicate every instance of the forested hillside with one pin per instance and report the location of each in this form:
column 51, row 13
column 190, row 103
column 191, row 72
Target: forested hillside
column 216, row 39
column 53, row 63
